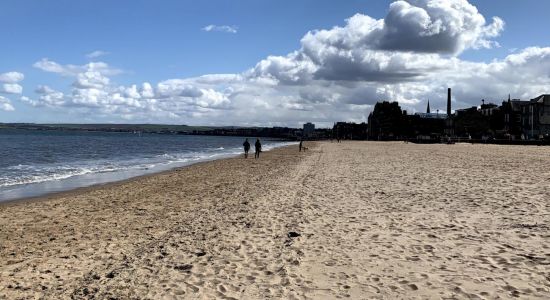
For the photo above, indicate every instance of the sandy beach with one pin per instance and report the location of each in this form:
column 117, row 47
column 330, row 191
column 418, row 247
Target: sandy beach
column 359, row 220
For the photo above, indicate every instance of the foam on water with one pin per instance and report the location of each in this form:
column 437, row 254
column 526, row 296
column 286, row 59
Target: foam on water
column 115, row 159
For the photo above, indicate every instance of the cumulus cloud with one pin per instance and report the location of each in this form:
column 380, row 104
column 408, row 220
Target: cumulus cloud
column 220, row 28
column 177, row 88
column 5, row 104
column 11, row 77
column 435, row 26
column 92, row 90
column 96, row 54
column 90, row 79
column 409, row 56
column 53, row 67
column 9, row 83
column 412, row 40
column 295, row 68
column 48, row 65
column 48, row 97
column 147, row 90
column 11, row 88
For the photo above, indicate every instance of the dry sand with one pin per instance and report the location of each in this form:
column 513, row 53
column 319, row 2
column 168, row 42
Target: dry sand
column 372, row 220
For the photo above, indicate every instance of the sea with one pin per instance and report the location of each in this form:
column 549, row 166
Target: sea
column 35, row 163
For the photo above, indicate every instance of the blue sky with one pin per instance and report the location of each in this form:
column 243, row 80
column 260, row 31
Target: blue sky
column 158, row 41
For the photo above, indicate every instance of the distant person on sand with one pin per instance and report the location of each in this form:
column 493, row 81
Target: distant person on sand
column 300, row 146
column 246, row 146
column 258, row 146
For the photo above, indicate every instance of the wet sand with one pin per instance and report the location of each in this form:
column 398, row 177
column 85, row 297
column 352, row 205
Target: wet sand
column 356, row 220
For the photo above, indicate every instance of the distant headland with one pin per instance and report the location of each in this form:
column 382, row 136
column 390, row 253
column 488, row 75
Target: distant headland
column 273, row 132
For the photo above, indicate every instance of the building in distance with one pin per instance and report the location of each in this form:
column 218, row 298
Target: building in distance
column 309, row 130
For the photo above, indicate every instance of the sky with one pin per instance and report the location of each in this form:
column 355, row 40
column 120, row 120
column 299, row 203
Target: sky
column 263, row 63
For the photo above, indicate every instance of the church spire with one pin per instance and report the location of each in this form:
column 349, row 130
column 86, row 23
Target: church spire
column 428, row 108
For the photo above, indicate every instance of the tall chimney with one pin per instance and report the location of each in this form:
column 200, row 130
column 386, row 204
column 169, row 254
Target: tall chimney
column 449, row 102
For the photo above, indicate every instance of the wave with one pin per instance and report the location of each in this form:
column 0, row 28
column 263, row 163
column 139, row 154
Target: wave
column 38, row 174
column 24, row 174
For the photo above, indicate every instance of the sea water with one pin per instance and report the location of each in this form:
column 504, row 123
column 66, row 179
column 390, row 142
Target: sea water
column 34, row 163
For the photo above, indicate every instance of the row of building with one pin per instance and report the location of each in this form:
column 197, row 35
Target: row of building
column 514, row 119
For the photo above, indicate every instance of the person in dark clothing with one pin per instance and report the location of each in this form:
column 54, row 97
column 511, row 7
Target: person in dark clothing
column 258, row 146
column 246, row 146
column 300, row 146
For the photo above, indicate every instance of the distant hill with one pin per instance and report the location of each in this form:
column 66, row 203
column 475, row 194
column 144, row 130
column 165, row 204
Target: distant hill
column 276, row 132
column 108, row 127
column 128, row 127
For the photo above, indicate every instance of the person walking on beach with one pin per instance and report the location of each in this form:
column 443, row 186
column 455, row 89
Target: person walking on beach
column 246, row 146
column 258, row 146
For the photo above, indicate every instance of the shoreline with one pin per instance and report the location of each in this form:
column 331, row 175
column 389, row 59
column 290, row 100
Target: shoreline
column 69, row 190
column 103, row 235
column 86, row 189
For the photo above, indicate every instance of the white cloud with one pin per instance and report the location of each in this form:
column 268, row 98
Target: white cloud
column 5, row 104
column 177, row 88
column 220, row 28
column 73, row 70
column 337, row 74
column 89, row 97
column 90, row 79
column 294, row 68
column 43, row 89
column 28, row 100
column 96, row 54
column 435, row 26
column 47, row 97
column 11, row 88
column 412, row 40
column 210, row 98
column 53, row 67
column 132, row 92
column 92, row 91
column 9, row 83
column 147, row 90
column 11, row 77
